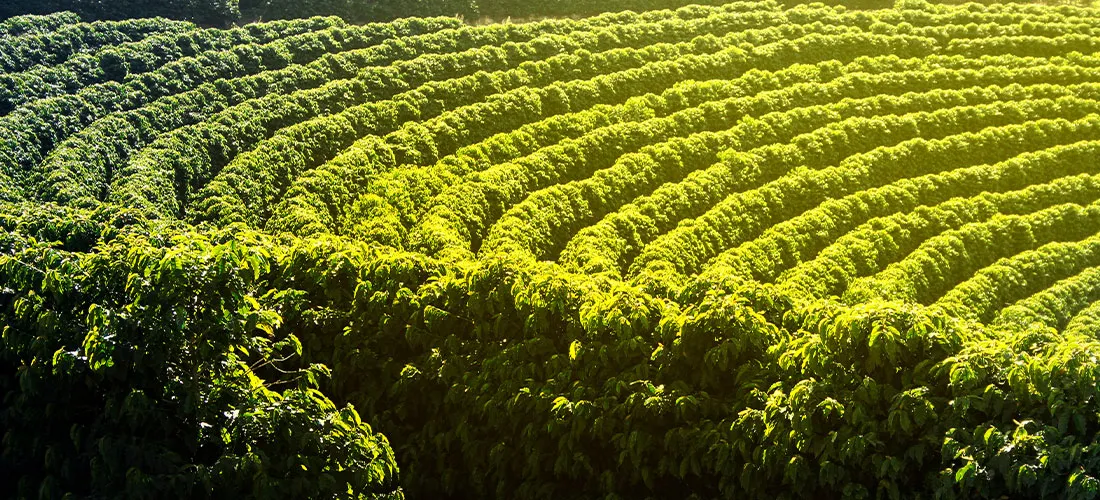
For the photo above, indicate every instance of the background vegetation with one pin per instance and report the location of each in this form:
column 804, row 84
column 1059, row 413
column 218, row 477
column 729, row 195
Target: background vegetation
column 227, row 12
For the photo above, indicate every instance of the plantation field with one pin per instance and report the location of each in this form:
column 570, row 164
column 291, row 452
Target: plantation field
column 724, row 251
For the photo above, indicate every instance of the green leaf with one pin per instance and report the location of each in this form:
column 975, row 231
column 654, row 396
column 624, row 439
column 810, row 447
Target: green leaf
column 966, row 473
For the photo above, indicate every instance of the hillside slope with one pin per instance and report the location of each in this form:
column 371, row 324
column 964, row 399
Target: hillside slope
column 736, row 251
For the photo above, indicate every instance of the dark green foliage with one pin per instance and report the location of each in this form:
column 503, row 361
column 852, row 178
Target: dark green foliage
column 145, row 371
column 511, row 379
column 207, row 12
column 25, row 24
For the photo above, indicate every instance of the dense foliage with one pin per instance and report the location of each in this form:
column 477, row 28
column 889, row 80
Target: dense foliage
column 726, row 251
column 224, row 12
column 209, row 12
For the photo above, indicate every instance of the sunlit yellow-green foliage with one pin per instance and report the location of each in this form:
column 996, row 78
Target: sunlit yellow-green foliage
column 736, row 251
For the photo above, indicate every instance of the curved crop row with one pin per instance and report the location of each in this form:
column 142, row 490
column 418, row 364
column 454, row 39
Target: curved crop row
column 31, row 132
column 230, row 128
column 20, row 52
column 423, row 145
column 795, row 257
column 36, row 24
column 452, row 222
column 596, row 248
column 669, row 161
column 1054, row 306
column 119, row 62
column 1011, row 279
column 691, row 244
column 447, row 93
column 949, row 258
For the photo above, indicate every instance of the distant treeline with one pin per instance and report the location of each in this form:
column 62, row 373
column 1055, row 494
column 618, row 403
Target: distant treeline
column 207, row 12
column 226, row 12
